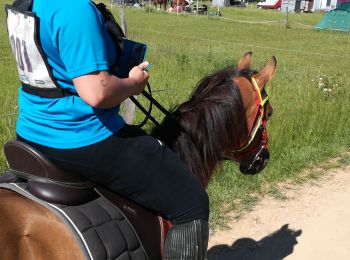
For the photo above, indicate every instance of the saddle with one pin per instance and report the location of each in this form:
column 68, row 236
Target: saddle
column 48, row 183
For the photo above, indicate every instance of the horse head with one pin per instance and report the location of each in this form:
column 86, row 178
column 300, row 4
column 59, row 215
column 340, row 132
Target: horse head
column 224, row 119
column 253, row 153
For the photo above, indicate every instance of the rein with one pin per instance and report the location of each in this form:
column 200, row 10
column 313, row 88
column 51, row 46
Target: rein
column 149, row 111
column 259, row 121
column 252, row 159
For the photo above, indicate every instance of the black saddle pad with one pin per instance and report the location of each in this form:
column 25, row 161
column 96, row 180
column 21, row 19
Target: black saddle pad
column 101, row 229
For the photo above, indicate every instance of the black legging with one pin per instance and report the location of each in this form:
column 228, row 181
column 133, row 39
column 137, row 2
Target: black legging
column 140, row 168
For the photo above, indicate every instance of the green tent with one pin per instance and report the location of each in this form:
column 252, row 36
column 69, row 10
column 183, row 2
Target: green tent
column 337, row 19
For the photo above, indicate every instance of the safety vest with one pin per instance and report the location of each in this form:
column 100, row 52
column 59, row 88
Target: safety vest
column 34, row 71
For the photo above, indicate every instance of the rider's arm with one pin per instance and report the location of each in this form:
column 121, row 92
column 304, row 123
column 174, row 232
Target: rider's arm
column 102, row 90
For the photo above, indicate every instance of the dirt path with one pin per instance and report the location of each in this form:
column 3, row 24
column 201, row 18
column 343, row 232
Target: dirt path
column 313, row 223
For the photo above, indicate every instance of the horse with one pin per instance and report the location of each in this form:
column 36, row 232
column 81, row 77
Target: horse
column 160, row 3
column 179, row 4
column 224, row 119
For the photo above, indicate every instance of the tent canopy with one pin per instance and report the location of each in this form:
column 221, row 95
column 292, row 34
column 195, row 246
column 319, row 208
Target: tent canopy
column 344, row 7
column 337, row 19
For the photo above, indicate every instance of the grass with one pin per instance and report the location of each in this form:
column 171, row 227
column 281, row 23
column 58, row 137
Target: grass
column 309, row 124
column 8, row 88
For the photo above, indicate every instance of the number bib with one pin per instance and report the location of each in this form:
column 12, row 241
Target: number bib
column 32, row 66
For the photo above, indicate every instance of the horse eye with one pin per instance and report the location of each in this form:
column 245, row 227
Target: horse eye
column 268, row 110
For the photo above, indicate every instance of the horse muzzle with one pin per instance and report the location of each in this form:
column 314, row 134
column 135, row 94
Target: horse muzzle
column 257, row 164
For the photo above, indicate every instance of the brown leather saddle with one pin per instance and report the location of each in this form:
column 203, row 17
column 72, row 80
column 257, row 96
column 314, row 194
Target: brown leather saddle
column 49, row 183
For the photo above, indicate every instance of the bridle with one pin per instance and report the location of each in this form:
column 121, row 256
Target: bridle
column 260, row 119
column 260, row 151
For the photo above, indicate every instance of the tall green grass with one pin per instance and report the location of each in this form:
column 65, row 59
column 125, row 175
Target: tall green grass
column 8, row 88
column 309, row 123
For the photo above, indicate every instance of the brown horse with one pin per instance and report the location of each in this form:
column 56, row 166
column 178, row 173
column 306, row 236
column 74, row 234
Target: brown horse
column 225, row 118
column 160, row 3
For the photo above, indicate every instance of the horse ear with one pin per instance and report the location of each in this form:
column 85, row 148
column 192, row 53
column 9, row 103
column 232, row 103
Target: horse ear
column 266, row 74
column 245, row 61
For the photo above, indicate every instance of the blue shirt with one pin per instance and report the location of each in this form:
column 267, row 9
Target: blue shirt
column 75, row 42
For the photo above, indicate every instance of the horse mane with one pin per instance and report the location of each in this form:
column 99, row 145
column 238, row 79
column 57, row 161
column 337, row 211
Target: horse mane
column 211, row 123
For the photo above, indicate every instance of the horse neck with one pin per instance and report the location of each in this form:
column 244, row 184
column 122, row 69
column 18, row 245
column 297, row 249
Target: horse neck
column 192, row 146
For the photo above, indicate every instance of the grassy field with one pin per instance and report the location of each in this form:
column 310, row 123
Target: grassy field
column 309, row 92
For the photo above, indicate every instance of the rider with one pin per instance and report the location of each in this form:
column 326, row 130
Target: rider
column 80, row 128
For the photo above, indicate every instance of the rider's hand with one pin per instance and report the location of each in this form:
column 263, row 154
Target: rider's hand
column 139, row 76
